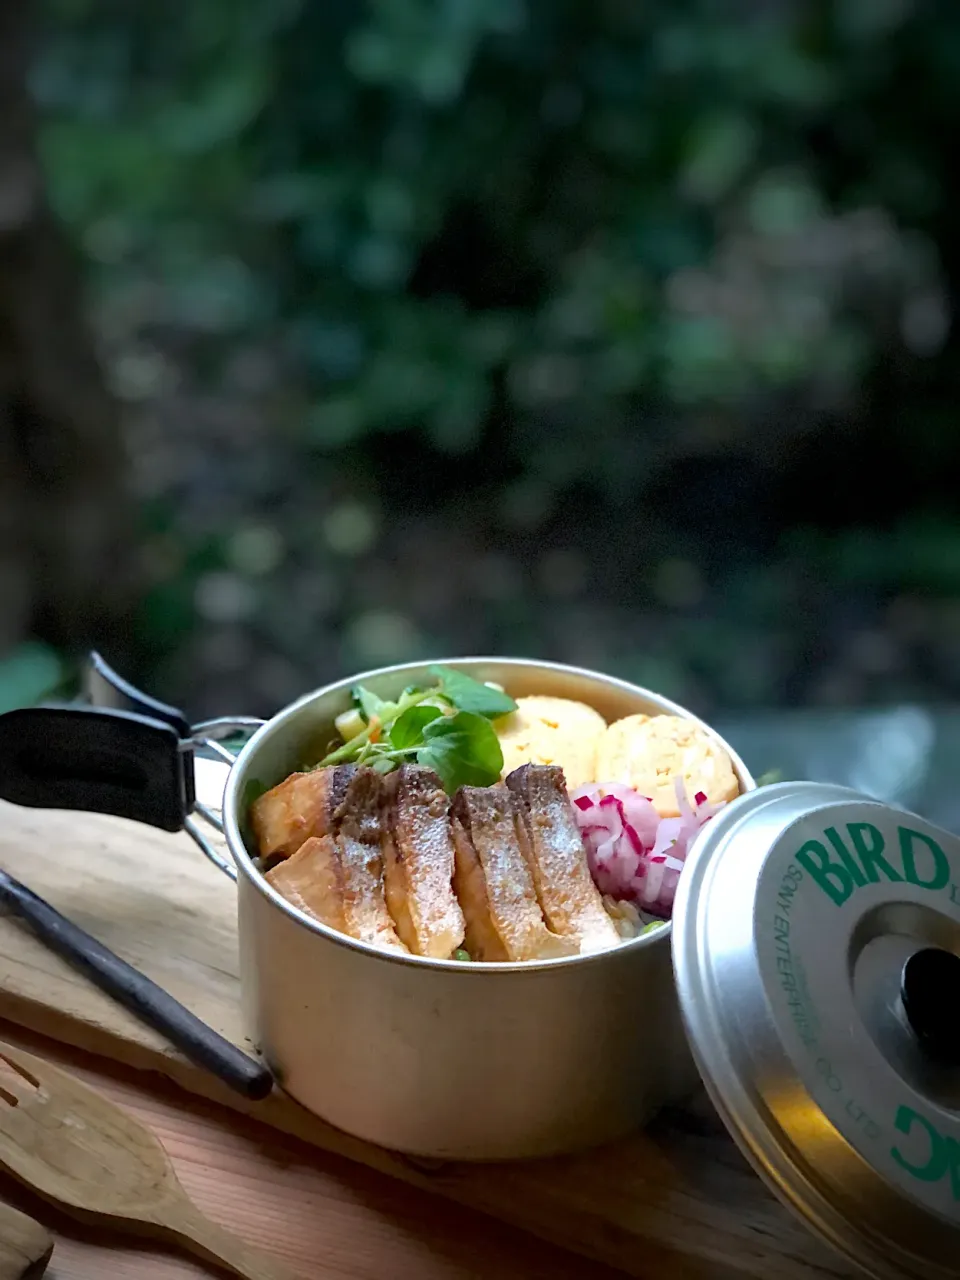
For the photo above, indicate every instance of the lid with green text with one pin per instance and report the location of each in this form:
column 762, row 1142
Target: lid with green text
column 817, row 954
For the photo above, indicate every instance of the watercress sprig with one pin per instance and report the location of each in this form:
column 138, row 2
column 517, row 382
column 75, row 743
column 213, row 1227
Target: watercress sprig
column 446, row 728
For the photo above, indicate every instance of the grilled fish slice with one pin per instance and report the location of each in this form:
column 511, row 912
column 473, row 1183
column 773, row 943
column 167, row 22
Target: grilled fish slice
column 338, row 881
column 313, row 881
column 494, row 884
column 553, row 849
column 359, row 835
column 418, row 861
column 301, row 806
column 482, row 940
column 357, row 812
column 365, row 908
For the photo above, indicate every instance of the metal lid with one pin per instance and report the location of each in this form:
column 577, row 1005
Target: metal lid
column 817, row 954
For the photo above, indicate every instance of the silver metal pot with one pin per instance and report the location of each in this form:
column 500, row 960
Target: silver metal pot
column 441, row 1058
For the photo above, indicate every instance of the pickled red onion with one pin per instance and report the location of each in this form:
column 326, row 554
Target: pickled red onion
column 635, row 855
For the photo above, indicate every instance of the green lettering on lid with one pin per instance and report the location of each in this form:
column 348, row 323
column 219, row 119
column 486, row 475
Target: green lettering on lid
column 847, row 858
column 871, row 855
column 938, row 1160
column 941, row 866
column 832, row 876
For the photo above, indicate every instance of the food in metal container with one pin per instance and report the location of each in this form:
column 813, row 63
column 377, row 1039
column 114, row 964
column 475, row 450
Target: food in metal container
column 339, row 878
column 635, row 855
column 522, row 871
column 494, row 883
column 300, row 807
column 338, row 882
column 555, row 731
column 553, row 848
column 649, row 754
column 562, row 1066
column 418, row 862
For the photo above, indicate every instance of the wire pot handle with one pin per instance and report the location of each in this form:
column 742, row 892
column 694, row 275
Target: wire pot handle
column 209, row 735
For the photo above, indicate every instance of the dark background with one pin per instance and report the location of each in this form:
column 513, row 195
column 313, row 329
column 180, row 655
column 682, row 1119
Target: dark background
column 618, row 333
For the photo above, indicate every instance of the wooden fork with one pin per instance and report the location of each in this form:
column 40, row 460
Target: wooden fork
column 83, row 1153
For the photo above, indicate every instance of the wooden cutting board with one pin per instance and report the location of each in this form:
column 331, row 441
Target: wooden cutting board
column 25, row 1246
column 675, row 1200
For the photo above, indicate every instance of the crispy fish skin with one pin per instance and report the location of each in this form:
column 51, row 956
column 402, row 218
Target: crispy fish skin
column 359, row 833
column 338, row 879
column 357, row 814
column 418, row 862
column 301, row 806
column 551, row 843
column 494, row 884
column 365, row 907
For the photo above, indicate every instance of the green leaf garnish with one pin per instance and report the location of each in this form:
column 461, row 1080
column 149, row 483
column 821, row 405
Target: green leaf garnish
column 369, row 740
column 462, row 750
column 446, row 729
column 407, row 729
column 461, row 954
column 369, row 703
column 470, row 695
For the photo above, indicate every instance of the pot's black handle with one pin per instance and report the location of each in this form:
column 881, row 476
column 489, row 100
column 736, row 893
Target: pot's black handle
column 105, row 688
column 136, row 992
column 78, row 757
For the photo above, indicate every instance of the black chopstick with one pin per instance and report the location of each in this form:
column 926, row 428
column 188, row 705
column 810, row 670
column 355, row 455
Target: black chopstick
column 203, row 1046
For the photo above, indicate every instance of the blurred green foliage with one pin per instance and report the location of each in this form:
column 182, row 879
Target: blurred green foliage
column 30, row 673
column 575, row 246
column 560, row 212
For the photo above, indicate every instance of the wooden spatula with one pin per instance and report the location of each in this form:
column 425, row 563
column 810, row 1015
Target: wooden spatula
column 73, row 1146
column 25, row 1246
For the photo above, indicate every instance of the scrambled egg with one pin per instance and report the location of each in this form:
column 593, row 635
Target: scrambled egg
column 552, row 731
column 649, row 753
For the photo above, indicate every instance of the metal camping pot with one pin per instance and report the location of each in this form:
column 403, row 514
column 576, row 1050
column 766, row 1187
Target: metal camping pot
column 434, row 1058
